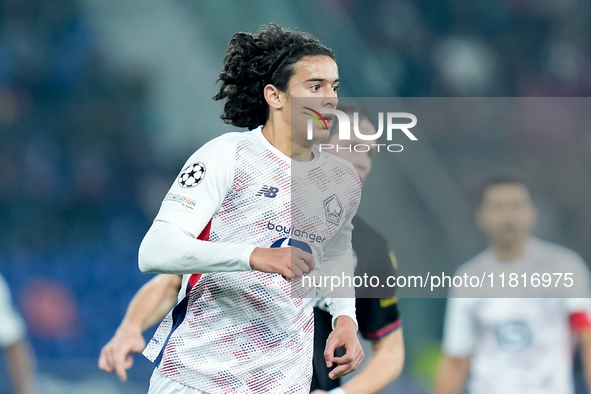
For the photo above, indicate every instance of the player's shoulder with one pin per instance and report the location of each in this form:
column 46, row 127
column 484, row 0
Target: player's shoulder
column 336, row 161
column 476, row 263
column 555, row 252
column 228, row 141
column 3, row 284
column 221, row 148
column 547, row 247
column 4, row 294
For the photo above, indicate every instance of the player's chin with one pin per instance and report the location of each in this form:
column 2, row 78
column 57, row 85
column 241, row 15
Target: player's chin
column 320, row 135
column 507, row 239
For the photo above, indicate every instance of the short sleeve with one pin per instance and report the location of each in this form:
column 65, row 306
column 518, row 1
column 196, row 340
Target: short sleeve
column 12, row 327
column 459, row 328
column 377, row 317
column 201, row 186
column 579, row 309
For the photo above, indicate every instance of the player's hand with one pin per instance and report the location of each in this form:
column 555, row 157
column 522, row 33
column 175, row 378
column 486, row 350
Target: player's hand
column 289, row 262
column 344, row 334
column 319, row 392
column 117, row 354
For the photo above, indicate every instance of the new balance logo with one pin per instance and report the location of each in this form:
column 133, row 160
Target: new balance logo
column 268, row 191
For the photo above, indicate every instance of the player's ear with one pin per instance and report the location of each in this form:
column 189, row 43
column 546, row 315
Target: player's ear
column 273, row 96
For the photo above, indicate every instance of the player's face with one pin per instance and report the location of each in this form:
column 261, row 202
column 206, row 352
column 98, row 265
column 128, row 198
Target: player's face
column 507, row 214
column 318, row 77
column 361, row 159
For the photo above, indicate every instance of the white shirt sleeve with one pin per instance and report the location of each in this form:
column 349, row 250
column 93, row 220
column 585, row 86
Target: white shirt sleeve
column 339, row 261
column 459, row 328
column 12, row 327
column 170, row 246
column 581, row 289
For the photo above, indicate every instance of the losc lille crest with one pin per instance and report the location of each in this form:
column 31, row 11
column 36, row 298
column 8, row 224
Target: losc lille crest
column 333, row 209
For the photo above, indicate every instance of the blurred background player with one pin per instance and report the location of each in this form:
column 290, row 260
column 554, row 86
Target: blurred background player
column 377, row 314
column 16, row 349
column 378, row 317
column 514, row 345
column 239, row 325
column 147, row 308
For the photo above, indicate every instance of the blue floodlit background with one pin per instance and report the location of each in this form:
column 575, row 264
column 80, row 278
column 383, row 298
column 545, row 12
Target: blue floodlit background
column 102, row 101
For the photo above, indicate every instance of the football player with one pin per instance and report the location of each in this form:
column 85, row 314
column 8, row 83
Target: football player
column 515, row 345
column 243, row 322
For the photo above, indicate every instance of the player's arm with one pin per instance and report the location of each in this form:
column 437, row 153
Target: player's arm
column 579, row 310
column 452, row 375
column 383, row 367
column 338, row 260
column 20, row 365
column 19, row 358
column 343, row 335
column 169, row 249
column 580, row 323
column 172, row 244
column 148, row 307
column 379, row 321
column 458, row 340
column 584, row 337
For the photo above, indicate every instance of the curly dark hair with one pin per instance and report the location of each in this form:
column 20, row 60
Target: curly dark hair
column 255, row 60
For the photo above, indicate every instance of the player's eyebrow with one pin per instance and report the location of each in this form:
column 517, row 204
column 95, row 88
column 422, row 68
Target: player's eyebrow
column 321, row 80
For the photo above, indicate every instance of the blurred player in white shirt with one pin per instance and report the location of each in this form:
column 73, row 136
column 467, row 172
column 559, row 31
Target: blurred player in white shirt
column 12, row 339
column 515, row 345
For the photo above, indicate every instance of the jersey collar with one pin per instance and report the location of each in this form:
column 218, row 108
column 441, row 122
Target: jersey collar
column 299, row 165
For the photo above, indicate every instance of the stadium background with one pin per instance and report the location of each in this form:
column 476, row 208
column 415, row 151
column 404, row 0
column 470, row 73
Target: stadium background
column 102, row 101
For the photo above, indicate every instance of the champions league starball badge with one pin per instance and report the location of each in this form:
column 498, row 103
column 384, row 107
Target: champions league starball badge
column 192, row 175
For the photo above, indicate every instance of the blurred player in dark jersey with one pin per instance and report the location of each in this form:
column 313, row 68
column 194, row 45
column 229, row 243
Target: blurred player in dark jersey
column 377, row 311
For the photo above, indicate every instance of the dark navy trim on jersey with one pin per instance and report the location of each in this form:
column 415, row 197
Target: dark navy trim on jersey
column 178, row 315
column 180, row 311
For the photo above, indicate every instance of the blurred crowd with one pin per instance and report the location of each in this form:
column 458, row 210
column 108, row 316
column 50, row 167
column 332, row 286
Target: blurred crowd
column 480, row 48
column 72, row 148
column 502, row 48
column 73, row 156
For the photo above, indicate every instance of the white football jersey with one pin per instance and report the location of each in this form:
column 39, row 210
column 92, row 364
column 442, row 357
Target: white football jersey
column 247, row 332
column 12, row 327
column 518, row 345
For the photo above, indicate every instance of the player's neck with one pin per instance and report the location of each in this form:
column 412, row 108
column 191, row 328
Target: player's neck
column 279, row 135
column 509, row 252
